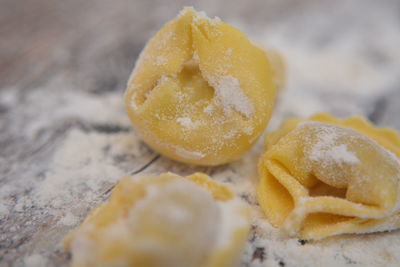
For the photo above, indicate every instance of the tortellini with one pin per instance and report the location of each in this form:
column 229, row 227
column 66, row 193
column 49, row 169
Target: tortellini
column 163, row 221
column 326, row 176
column 201, row 92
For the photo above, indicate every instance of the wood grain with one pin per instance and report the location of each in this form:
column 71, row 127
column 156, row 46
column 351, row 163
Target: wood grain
column 53, row 53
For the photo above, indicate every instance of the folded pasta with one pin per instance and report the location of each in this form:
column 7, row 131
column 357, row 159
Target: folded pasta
column 201, row 92
column 326, row 176
column 164, row 221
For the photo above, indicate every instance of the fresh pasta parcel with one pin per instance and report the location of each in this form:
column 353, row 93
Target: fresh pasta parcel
column 163, row 221
column 326, row 176
column 201, row 92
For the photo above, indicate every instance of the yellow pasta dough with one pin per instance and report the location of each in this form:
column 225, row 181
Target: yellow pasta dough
column 164, row 221
column 326, row 176
column 201, row 92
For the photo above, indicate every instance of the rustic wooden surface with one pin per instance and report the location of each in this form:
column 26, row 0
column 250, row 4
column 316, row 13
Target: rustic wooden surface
column 61, row 61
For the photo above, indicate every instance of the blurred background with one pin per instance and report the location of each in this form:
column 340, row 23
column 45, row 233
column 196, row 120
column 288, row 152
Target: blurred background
column 65, row 64
column 342, row 48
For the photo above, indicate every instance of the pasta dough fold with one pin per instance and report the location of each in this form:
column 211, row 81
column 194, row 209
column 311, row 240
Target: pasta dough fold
column 163, row 221
column 201, row 92
column 325, row 176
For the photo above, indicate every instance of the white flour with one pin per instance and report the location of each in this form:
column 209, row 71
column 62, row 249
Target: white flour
column 340, row 62
column 326, row 149
column 227, row 89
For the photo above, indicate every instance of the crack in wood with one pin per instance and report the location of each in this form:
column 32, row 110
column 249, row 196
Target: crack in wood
column 144, row 167
column 302, row 241
column 110, row 128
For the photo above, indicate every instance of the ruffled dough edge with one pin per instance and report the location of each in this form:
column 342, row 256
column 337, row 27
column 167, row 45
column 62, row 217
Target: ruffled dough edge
column 386, row 137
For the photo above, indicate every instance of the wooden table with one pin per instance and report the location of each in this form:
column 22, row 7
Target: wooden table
column 65, row 138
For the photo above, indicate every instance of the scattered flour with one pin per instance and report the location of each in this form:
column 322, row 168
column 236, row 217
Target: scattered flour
column 195, row 57
column 133, row 102
column 69, row 219
column 248, row 130
column 175, row 214
column 160, row 61
column 230, row 94
column 69, row 104
column 188, row 123
column 203, row 16
column 340, row 61
column 230, row 221
column 327, row 148
column 80, row 169
column 35, row 260
column 231, row 134
column 338, row 154
column 208, row 109
column 188, row 154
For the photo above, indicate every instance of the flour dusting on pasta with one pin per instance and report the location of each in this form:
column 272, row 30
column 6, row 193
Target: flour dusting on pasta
column 228, row 90
column 331, row 67
column 327, row 147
